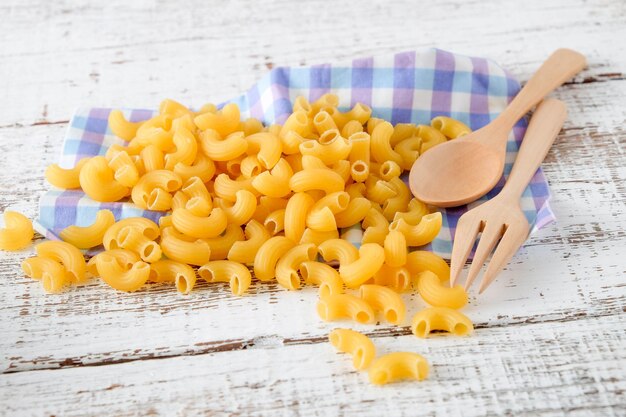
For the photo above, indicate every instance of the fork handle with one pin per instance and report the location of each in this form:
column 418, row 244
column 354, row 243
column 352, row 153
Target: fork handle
column 544, row 126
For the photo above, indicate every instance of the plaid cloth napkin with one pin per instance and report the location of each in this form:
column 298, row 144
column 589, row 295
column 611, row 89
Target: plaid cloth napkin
column 405, row 87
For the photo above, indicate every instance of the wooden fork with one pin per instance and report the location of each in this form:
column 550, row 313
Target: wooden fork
column 501, row 218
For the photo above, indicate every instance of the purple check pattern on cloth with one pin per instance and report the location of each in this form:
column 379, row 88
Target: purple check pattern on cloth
column 408, row 87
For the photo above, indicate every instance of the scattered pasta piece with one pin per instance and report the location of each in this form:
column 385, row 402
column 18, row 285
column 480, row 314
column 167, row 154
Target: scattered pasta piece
column 441, row 318
column 398, row 366
column 356, row 344
column 17, row 233
column 434, row 293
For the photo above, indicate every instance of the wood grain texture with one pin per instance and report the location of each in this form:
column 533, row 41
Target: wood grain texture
column 550, row 337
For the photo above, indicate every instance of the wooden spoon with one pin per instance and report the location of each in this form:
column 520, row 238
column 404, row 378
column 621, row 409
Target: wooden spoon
column 462, row 170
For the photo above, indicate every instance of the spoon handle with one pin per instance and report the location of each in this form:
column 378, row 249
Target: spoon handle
column 562, row 65
column 543, row 129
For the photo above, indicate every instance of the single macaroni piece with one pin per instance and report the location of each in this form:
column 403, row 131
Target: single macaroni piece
column 171, row 271
column 389, row 170
column 296, row 213
column 221, row 245
column 323, row 122
column 151, row 189
column 97, row 181
column 225, row 121
column 395, row 249
column 296, row 126
column 124, row 257
column 350, row 128
column 266, row 147
column 379, row 191
column 50, row 272
column 440, row 318
column 381, row 145
column 371, row 258
column 398, row 278
column 434, row 293
column 301, row 103
column 317, row 237
column 17, row 233
column 326, row 100
column 398, row 366
column 317, row 179
column 274, row 183
column 385, row 300
column 65, row 178
column 236, row 274
column 330, row 148
column 451, row 128
column 245, row 251
column 360, row 112
column 242, row 210
column 414, row 215
column 173, row 108
column 227, row 188
column 419, row 261
column 133, row 239
column 250, row 166
column 119, row 276
column 402, row 131
column 356, row 344
column 268, row 255
column 202, row 168
column 146, row 226
column 339, row 250
column 430, row 137
column 126, row 172
column 156, row 131
column 200, row 227
column 345, row 306
column 375, row 226
column 398, row 202
column 233, row 166
column 186, row 149
column 121, row 127
column 409, row 151
column 184, row 249
column 71, row 258
column 194, row 187
column 89, row 236
column 275, row 222
column 424, row 232
column 288, row 265
column 218, row 149
column 354, row 213
column 324, row 276
column 153, row 158
column 321, row 217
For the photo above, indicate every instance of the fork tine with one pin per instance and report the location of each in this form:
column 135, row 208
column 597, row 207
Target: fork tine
column 466, row 231
column 511, row 241
column 486, row 243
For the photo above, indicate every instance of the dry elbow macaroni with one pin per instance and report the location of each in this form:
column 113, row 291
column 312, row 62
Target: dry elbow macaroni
column 241, row 194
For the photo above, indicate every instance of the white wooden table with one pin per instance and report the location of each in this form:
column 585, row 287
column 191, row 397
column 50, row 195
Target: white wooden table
column 550, row 336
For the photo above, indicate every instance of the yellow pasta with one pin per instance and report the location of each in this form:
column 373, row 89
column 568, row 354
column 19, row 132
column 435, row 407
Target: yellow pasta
column 316, row 179
column 345, row 306
column 390, row 170
column 227, row 188
column 97, row 181
column 202, row 167
column 268, row 255
column 376, row 227
column 125, row 170
column 350, row 128
column 312, row 162
column 409, row 151
column 89, row 236
column 132, row 239
column 146, row 226
column 355, row 212
column 241, row 211
column 180, row 248
column 251, row 126
column 356, row 344
column 49, row 271
column 385, row 300
column 323, row 122
column 322, row 275
column 397, row 366
column 399, row 201
column 301, row 103
column 317, row 237
column 119, row 276
column 267, row 205
column 236, row 274
column 296, row 212
column 398, row 278
column 124, row 257
column 274, row 183
column 65, row 178
column 430, row 137
column 275, row 222
column 17, row 232
column 218, row 149
column 199, row 227
column 451, row 128
column 149, row 192
column 288, row 265
column 434, row 293
column 360, row 112
column 326, row 100
column 343, row 168
column 225, row 121
column 330, row 148
column 173, row 108
column 416, row 210
column 395, row 249
column 250, row 166
column 182, row 275
column 121, row 127
column 380, row 144
column 296, row 127
column 379, row 191
column 402, row 131
column 339, row 250
column 245, row 251
column 419, row 261
column 321, row 217
column 371, row 258
column 186, row 149
column 422, row 233
column 71, row 258
column 441, row 318
column 221, row 245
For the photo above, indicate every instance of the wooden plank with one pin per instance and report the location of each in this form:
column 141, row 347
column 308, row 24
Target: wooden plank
column 550, row 369
column 581, row 273
column 111, row 54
